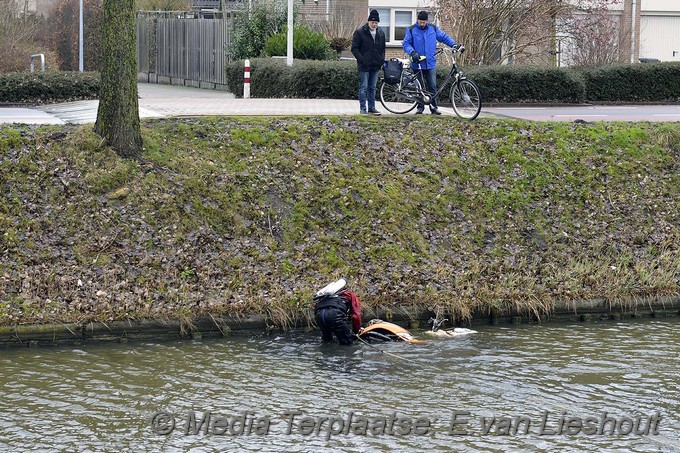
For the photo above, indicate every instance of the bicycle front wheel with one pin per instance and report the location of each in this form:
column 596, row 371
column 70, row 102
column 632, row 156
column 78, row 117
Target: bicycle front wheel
column 466, row 99
column 399, row 100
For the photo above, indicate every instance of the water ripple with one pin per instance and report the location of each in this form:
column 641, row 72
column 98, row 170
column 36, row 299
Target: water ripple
column 102, row 397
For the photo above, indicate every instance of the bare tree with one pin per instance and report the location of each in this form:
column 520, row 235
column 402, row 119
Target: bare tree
column 339, row 28
column 20, row 36
column 118, row 113
column 497, row 31
column 586, row 32
column 63, row 32
column 15, row 22
column 590, row 34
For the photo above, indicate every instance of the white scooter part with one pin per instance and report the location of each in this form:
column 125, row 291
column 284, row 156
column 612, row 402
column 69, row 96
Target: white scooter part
column 331, row 288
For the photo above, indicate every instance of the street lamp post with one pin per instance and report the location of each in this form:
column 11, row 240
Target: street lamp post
column 632, row 32
column 289, row 51
column 80, row 39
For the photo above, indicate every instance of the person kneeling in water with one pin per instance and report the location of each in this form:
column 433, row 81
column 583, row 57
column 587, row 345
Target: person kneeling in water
column 334, row 310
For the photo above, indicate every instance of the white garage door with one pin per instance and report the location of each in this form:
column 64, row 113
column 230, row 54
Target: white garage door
column 660, row 37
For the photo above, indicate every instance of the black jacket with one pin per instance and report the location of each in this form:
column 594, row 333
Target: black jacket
column 370, row 54
column 334, row 301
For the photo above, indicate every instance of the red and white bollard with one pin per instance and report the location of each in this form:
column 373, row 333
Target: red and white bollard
column 246, row 80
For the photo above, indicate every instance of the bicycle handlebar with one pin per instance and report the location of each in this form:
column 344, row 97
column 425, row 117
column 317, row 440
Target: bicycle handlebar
column 456, row 48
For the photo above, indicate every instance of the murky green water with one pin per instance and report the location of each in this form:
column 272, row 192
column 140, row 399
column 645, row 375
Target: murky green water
column 602, row 377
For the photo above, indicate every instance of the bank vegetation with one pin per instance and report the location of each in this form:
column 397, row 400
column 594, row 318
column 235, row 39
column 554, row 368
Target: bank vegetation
column 238, row 216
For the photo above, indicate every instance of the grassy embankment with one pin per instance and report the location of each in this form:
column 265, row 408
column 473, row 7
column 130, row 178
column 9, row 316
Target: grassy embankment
column 238, row 216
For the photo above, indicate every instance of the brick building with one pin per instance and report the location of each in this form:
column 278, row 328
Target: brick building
column 658, row 29
column 648, row 29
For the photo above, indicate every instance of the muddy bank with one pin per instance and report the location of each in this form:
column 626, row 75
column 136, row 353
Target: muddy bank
column 209, row 327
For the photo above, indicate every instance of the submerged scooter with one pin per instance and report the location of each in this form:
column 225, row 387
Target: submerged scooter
column 376, row 329
column 379, row 330
column 436, row 330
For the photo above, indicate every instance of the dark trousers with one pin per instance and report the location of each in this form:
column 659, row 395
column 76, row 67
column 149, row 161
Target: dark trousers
column 430, row 76
column 333, row 321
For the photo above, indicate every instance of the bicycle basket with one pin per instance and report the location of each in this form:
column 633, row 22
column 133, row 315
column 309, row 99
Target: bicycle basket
column 392, row 71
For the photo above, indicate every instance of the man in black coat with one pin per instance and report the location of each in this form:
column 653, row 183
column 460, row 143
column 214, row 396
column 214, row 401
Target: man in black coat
column 368, row 47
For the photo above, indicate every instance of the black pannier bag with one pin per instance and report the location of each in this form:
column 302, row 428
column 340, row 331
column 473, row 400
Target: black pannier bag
column 392, row 70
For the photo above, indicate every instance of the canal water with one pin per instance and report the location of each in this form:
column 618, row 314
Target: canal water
column 605, row 387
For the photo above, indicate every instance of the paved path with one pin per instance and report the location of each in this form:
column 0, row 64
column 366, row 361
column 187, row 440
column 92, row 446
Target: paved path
column 28, row 116
column 158, row 101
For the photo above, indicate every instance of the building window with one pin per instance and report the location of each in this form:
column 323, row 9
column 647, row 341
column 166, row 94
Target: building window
column 402, row 20
column 385, row 22
column 394, row 22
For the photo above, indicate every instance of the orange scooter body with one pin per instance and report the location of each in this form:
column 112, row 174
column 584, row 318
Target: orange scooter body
column 390, row 332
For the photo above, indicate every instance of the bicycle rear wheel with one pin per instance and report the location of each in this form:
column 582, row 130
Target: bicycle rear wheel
column 398, row 100
column 466, row 99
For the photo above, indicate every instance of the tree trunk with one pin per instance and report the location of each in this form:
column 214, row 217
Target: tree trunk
column 118, row 114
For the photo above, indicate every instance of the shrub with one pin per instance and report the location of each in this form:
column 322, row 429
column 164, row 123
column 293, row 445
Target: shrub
column 339, row 27
column 47, row 87
column 527, row 84
column 252, row 30
column 315, row 79
column 272, row 78
column 17, row 58
column 498, row 84
column 340, row 44
column 647, row 82
column 21, row 35
column 307, row 45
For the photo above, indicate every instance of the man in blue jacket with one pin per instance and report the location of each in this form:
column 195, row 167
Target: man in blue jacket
column 368, row 47
column 421, row 39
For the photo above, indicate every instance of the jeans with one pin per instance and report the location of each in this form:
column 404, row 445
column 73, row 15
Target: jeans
column 367, row 82
column 430, row 76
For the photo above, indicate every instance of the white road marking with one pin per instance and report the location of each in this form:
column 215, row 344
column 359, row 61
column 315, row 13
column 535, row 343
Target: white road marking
column 575, row 114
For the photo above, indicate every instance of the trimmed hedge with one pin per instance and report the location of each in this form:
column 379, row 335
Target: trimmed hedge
column 527, row 84
column 48, row 87
column 648, row 82
column 272, row 78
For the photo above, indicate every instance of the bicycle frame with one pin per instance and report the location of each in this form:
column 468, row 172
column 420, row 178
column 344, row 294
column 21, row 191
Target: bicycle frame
column 404, row 96
column 455, row 74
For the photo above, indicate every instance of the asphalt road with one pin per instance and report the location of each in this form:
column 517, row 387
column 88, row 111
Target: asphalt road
column 590, row 113
column 158, row 101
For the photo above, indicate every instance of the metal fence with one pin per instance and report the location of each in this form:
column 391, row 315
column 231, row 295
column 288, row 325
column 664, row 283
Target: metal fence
column 186, row 48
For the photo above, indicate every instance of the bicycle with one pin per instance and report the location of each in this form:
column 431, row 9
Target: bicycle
column 403, row 96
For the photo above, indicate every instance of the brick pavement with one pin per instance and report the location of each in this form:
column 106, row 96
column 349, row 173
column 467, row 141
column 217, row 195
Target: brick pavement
column 157, row 101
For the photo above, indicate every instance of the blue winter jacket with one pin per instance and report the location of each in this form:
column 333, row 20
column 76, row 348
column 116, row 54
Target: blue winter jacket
column 425, row 43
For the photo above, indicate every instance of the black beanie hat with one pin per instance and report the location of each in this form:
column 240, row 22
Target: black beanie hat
column 422, row 15
column 374, row 16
